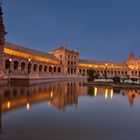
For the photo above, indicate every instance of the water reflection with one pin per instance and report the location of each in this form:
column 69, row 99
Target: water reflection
column 60, row 95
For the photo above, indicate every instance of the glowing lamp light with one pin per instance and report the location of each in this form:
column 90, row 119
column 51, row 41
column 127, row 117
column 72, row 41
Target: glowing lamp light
column 95, row 91
column 106, row 64
column 89, row 65
column 29, row 59
column 27, row 106
column 106, row 93
column 10, row 59
column 111, row 93
column 51, row 94
column 8, row 104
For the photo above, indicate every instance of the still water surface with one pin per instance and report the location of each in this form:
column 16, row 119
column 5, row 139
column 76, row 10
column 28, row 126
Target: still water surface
column 69, row 111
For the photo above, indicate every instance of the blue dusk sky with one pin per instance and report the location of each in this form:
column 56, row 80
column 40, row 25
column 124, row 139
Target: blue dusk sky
column 101, row 29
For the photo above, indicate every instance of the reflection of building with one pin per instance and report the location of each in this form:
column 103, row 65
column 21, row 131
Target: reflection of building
column 109, row 93
column 63, row 99
column 132, row 95
column 58, row 94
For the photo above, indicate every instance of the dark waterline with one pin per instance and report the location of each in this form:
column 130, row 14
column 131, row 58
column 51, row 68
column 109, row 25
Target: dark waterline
column 69, row 110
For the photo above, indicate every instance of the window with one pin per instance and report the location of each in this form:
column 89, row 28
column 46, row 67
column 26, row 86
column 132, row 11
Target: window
column 60, row 61
column 22, row 65
column 60, row 56
column 35, row 67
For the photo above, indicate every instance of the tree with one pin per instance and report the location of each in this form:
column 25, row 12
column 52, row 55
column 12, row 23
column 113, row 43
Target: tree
column 116, row 79
column 92, row 74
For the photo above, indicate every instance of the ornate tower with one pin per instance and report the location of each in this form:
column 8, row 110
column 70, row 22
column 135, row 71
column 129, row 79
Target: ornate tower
column 2, row 41
column 131, row 56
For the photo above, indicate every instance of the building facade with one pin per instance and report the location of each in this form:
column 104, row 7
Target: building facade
column 28, row 63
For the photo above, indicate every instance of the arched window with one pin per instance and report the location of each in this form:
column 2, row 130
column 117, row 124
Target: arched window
column 29, row 67
column 59, row 69
column 50, row 69
column 125, row 72
column 16, row 65
column 54, row 69
column 40, row 68
column 7, row 64
column 45, row 69
column 35, row 67
column 23, row 66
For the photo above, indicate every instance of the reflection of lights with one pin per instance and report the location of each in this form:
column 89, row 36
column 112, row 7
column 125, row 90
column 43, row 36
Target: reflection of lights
column 95, row 91
column 51, row 94
column 27, row 106
column 96, row 66
column 8, row 104
column 29, row 59
column 89, row 65
column 111, row 93
column 106, row 93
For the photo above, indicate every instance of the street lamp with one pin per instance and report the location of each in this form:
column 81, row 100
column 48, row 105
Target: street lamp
column 106, row 64
column 29, row 66
column 10, row 60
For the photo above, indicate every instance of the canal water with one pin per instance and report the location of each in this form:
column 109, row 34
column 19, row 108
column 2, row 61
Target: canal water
column 68, row 110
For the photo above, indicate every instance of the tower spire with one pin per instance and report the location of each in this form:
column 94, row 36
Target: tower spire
column 131, row 56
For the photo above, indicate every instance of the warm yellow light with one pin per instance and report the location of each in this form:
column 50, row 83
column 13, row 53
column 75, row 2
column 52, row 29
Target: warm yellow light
column 8, row 104
column 106, row 93
column 29, row 59
column 96, row 66
column 29, row 56
column 28, row 106
column 111, row 93
column 51, row 94
column 95, row 91
column 89, row 65
column 106, row 64
column 112, row 65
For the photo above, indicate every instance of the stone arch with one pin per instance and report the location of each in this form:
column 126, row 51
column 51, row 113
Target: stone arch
column 45, row 68
column 16, row 64
column 35, row 67
column 50, row 68
column 54, row 69
column 29, row 67
column 23, row 65
column 40, row 68
column 59, row 69
column 7, row 64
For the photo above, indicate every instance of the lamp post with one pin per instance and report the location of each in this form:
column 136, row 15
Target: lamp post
column 29, row 67
column 9, row 79
column 52, row 69
column 106, row 64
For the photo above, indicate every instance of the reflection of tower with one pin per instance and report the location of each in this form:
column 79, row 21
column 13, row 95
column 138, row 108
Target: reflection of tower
column 64, row 97
column 131, row 97
column 2, row 41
